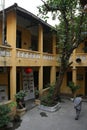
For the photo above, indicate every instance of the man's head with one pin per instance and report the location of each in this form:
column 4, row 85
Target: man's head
column 79, row 95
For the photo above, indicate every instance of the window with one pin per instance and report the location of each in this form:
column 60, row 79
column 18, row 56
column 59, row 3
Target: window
column 4, row 84
column 34, row 43
column 69, row 77
column 46, row 77
column 57, row 74
column 18, row 39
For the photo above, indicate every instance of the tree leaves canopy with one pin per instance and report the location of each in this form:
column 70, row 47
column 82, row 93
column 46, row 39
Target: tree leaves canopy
column 72, row 23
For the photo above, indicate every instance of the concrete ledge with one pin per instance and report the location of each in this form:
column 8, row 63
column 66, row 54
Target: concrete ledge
column 50, row 109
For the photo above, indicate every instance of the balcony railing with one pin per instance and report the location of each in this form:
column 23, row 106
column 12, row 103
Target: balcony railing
column 5, row 56
column 47, row 56
column 5, row 51
column 82, row 56
column 28, row 54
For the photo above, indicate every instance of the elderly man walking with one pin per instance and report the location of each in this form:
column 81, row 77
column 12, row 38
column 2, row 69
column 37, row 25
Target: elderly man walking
column 78, row 105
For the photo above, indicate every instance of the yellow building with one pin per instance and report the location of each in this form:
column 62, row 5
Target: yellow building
column 30, row 46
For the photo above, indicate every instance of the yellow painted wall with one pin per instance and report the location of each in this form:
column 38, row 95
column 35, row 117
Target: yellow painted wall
column 65, row 89
column 26, row 38
column 4, row 80
column 80, row 48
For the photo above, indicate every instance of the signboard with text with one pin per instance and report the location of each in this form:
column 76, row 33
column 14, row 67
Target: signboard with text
column 28, row 84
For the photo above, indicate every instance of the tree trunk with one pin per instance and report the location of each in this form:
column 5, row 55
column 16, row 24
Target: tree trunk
column 56, row 94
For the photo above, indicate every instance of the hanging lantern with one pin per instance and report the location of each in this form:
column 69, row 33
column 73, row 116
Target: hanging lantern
column 28, row 70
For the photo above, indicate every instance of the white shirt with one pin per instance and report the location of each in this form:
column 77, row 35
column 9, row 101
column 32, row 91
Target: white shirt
column 78, row 103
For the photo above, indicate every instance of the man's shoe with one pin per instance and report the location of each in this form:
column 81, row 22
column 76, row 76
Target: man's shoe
column 76, row 118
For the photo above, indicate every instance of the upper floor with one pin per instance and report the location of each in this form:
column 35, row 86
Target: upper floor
column 31, row 41
column 26, row 37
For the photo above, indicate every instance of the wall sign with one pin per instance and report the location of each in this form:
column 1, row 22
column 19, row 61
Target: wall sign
column 28, row 84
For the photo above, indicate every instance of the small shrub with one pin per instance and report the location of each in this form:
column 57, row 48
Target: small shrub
column 12, row 104
column 73, row 87
column 47, row 99
column 20, row 95
column 20, row 99
column 4, row 115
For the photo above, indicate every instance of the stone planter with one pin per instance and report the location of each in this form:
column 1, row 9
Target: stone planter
column 21, row 112
column 12, row 113
column 37, row 101
column 50, row 109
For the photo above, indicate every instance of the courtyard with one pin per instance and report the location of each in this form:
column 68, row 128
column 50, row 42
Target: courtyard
column 63, row 119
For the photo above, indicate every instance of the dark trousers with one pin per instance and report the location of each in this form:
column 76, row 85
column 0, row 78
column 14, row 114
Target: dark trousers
column 77, row 113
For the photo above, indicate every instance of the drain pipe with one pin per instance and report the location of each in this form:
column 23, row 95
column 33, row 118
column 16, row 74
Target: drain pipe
column 3, row 22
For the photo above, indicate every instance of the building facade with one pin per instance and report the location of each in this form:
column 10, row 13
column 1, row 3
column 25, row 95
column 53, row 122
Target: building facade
column 28, row 58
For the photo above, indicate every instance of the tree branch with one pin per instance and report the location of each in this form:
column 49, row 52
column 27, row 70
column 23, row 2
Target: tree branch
column 49, row 7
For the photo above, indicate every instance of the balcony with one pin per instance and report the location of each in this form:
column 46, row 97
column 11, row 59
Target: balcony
column 83, row 57
column 5, row 56
column 33, row 57
column 27, row 54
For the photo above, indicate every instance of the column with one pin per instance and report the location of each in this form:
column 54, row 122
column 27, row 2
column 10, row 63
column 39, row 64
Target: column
column 40, row 46
column 12, row 82
column 11, row 39
column 41, row 79
column 74, row 75
column 53, row 74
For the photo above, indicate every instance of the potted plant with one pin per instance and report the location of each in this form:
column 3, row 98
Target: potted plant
column 20, row 99
column 20, row 102
column 4, row 116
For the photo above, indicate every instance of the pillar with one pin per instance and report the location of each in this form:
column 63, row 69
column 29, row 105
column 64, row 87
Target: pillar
column 74, row 75
column 40, row 46
column 53, row 74
column 11, row 39
column 41, row 79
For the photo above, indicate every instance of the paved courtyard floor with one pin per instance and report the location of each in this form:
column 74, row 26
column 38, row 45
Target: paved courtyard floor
column 63, row 119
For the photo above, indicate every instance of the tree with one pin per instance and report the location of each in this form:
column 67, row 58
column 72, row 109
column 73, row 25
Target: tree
column 69, row 31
